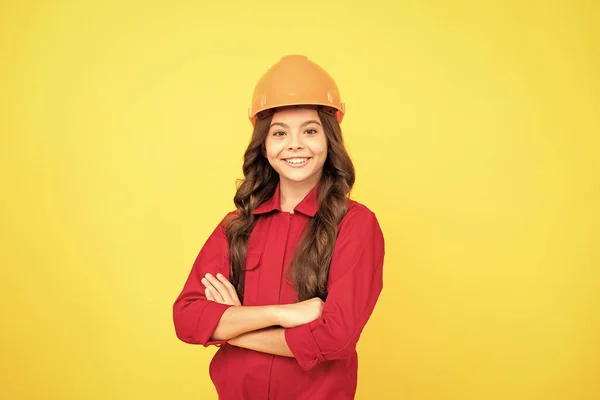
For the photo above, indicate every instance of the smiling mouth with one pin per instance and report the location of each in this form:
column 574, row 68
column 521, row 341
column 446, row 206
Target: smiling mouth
column 296, row 160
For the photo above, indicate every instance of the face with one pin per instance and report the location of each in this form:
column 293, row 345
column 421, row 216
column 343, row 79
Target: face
column 296, row 146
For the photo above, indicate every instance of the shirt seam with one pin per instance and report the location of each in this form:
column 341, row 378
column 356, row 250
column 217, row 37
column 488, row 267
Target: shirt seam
column 196, row 331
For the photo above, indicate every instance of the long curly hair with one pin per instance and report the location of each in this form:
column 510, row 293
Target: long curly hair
column 309, row 267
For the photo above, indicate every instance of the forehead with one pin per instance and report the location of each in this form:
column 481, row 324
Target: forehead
column 295, row 115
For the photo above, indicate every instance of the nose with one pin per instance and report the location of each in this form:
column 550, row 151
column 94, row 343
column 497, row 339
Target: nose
column 294, row 143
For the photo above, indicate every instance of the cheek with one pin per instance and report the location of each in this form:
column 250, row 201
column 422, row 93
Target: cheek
column 320, row 148
column 272, row 150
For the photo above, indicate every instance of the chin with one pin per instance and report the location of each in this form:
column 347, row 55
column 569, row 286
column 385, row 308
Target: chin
column 296, row 177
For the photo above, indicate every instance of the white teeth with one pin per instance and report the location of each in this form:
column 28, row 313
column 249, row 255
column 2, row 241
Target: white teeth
column 296, row 160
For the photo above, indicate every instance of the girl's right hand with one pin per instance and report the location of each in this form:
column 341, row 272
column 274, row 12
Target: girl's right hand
column 292, row 315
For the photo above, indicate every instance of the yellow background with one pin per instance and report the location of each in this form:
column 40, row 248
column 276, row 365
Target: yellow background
column 474, row 129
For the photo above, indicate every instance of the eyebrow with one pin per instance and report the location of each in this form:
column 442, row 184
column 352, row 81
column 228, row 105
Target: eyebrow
column 312, row 121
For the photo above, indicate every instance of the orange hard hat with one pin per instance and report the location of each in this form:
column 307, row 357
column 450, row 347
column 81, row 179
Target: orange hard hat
column 295, row 80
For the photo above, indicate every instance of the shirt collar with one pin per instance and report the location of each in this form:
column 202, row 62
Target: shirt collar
column 308, row 206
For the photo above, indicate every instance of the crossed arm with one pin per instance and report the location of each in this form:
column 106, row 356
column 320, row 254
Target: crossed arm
column 259, row 328
column 209, row 312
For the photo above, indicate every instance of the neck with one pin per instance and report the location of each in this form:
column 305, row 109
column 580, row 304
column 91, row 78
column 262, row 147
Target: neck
column 292, row 193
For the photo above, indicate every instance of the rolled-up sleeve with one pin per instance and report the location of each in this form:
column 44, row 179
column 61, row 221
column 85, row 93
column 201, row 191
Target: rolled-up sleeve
column 355, row 283
column 195, row 317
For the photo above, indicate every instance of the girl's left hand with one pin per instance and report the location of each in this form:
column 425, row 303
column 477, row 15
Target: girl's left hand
column 220, row 290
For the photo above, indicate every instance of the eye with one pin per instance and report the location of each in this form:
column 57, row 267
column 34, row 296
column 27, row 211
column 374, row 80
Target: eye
column 278, row 133
column 311, row 131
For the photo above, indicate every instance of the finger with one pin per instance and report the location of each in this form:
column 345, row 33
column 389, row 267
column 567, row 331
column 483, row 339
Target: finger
column 209, row 295
column 215, row 293
column 207, row 284
column 230, row 288
column 223, row 292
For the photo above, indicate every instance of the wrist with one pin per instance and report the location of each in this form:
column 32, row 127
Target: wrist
column 275, row 314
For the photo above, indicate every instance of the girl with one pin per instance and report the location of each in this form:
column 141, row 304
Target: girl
column 286, row 283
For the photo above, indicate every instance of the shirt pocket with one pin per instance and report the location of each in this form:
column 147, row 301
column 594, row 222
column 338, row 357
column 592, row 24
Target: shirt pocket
column 252, row 277
column 253, row 259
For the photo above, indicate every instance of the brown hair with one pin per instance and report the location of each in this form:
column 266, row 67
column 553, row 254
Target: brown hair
column 309, row 267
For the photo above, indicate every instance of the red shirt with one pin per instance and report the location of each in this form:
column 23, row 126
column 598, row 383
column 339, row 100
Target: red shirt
column 325, row 364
